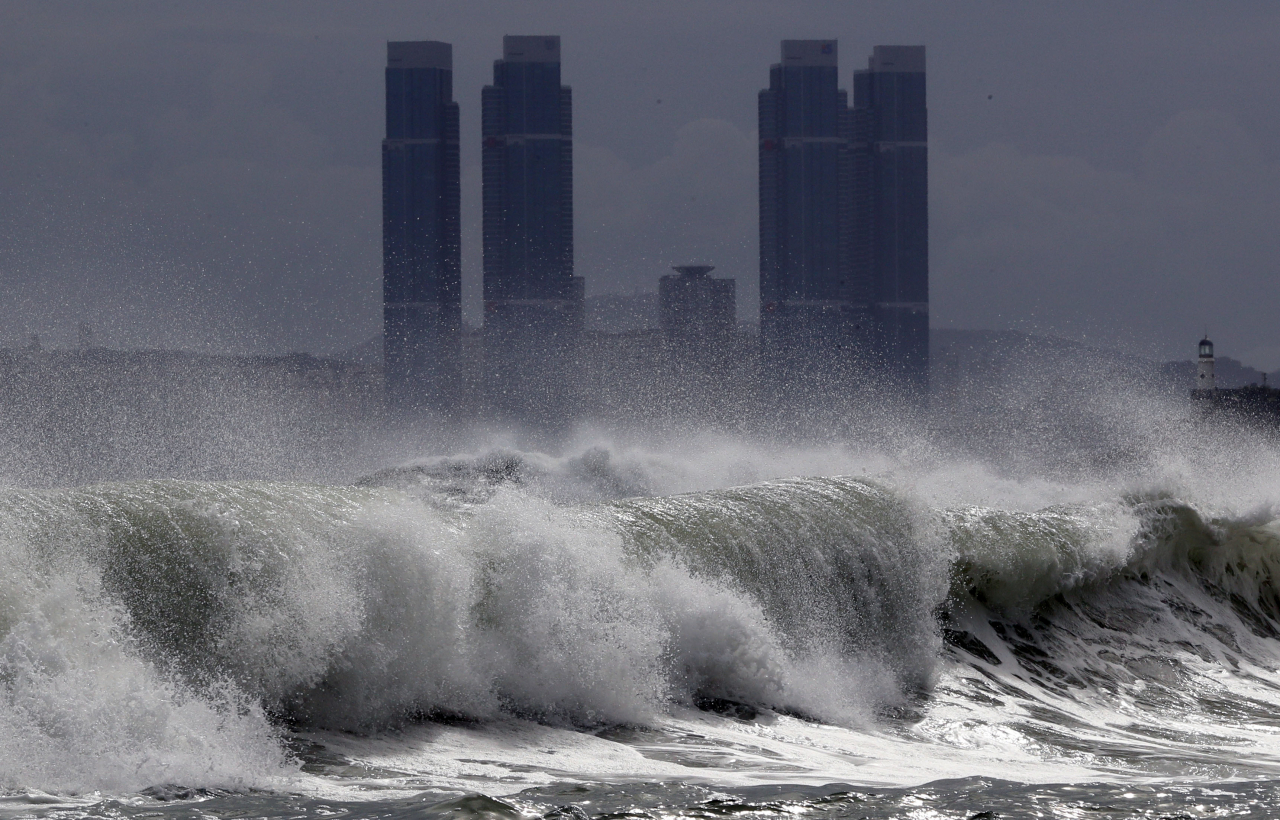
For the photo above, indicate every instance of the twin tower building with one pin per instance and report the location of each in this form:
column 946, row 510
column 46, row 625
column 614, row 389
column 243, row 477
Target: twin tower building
column 843, row 230
column 532, row 301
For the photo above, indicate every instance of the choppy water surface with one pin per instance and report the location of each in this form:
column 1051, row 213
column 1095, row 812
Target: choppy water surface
column 625, row 633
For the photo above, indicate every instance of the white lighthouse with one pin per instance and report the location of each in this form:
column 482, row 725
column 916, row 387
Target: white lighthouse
column 1204, row 369
column 1204, row 391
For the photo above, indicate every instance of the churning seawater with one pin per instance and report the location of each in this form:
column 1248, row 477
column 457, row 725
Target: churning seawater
column 619, row 633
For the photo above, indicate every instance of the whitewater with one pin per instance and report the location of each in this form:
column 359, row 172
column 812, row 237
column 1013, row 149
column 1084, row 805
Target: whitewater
column 699, row 627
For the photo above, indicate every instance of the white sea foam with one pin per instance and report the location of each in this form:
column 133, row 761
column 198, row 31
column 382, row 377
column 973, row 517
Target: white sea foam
column 159, row 632
column 80, row 710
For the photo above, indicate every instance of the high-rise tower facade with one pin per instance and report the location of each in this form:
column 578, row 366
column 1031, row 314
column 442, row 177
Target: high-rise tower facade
column 812, row 310
column 421, row 256
column 844, row 227
column 890, row 246
column 533, row 302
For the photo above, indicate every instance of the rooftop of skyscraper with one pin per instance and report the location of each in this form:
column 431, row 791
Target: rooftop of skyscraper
column 419, row 54
column 897, row 58
column 809, row 52
column 531, row 48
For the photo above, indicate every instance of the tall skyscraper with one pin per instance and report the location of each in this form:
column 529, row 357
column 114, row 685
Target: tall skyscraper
column 533, row 302
column 844, row 227
column 421, row 256
column 891, row 224
column 812, row 310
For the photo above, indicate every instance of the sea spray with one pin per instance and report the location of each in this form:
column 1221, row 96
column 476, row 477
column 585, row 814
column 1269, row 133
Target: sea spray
column 82, row 709
column 232, row 615
column 360, row 608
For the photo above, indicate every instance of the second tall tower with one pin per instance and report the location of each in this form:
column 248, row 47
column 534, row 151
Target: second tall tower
column 532, row 300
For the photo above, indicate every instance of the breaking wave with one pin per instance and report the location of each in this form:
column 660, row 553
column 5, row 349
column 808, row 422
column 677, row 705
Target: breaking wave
column 176, row 632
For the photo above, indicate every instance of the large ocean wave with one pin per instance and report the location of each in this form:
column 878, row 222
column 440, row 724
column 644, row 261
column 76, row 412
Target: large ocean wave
column 179, row 632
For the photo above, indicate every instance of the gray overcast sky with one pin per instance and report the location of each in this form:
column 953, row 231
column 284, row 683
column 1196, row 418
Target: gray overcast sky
column 206, row 175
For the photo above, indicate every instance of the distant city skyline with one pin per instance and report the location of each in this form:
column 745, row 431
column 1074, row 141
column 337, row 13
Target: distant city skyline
column 207, row 177
column 843, row 216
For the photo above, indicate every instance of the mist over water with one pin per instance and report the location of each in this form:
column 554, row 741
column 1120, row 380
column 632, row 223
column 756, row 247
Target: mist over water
column 1072, row 584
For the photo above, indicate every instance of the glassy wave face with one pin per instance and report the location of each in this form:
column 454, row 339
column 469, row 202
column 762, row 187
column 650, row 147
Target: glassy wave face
column 513, row 633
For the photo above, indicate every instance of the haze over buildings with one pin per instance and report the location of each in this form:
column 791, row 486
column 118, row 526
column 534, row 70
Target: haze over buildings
column 843, row 211
column 207, row 176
